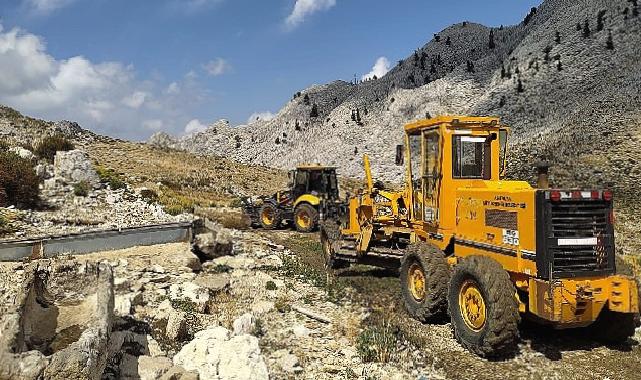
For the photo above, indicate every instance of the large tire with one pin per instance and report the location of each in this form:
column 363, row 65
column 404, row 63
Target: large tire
column 424, row 277
column 305, row 218
column 269, row 216
column 487, row 323
column 624, row 268
column 329, row 234
column 613, row 327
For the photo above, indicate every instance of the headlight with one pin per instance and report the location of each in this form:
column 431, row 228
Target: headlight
column 384, row 211
column 380, row 199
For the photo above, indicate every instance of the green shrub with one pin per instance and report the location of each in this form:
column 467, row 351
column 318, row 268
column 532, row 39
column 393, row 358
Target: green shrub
column 5, row 224
column 47, row 148
column 149, row 195
column 377, row 343
column 18, row 181
column 4, row 146
column 111, row 178
column 270, row 285
column 81, row 189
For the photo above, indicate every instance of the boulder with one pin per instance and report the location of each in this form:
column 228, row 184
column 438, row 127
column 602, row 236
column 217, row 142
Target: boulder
column 214, row 244
column 75, row 166
column 244, row 324
column 179, row 373
column 287, row 361
column 213, row 281
column 176, row 329
column 153, row 368
column 214, row 354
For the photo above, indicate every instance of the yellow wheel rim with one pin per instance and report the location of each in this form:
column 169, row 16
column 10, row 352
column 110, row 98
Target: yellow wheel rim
column 472, row 305
column 268, row 216
column 303, row 220
column 416, row 282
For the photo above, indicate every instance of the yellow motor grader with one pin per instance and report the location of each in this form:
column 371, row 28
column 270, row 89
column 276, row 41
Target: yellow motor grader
column 484, row 250
column 298, row 204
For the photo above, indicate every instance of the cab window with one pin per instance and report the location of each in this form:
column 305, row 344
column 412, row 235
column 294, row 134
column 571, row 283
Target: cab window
column 471, row 157
column 415, row 160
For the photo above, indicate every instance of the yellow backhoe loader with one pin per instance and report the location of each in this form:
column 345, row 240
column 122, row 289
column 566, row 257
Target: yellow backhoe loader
column 483, row 250
column 308, row 185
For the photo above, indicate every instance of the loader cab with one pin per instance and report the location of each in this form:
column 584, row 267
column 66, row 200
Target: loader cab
column 446, row 153
column 319, row 181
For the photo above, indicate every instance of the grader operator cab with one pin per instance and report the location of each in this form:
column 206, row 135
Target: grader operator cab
column 308, row 185
column 486, row 250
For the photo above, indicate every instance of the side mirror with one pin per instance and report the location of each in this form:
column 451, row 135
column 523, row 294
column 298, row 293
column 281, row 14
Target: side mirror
column 400, row 155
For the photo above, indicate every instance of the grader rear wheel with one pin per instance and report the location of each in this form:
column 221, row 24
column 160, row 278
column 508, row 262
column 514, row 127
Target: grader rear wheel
column 483, row 307
column 424, row 278
column 329, row 234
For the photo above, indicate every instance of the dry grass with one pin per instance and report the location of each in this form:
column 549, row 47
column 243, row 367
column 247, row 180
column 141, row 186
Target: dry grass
column 184, row 180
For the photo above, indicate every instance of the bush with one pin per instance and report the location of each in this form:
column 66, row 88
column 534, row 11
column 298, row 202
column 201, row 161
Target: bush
column 47, row 148
column 81, row 189
column 111, row 178
column 149, row 195
column 270, row 285
column 377, row 343
column 5, row 224
column 18, row 181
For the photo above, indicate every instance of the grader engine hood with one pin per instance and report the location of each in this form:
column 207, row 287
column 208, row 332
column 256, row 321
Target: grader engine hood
column 555, row 233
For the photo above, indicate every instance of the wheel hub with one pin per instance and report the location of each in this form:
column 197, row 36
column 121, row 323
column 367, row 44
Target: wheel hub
column 472, row 305
column 303, row 219
column 416, row 282
column 267, row 217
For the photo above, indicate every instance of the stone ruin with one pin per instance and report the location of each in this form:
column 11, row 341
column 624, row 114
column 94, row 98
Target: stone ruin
column 61, row 323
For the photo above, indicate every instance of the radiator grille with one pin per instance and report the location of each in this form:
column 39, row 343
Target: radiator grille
column 501, row 219
column 583, row 223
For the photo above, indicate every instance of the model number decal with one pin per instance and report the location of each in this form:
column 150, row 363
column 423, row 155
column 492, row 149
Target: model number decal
column 504, row 204
column 510, row 237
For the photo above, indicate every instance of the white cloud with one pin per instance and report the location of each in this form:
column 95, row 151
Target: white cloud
column 173, row 89
column 46, row 6
column 304, row 8
column 381, row 67
column 194, row 126
column 217, row 67
column 106, row 97
column 135, row 100
column 263, row 116
column 152, row 125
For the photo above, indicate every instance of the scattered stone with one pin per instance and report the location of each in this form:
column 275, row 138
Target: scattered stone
column 244, row 324
column 214, row 244
column 189, row 291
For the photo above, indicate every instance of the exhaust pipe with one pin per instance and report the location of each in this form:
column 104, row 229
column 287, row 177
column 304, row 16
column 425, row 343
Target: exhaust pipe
column 542, row 178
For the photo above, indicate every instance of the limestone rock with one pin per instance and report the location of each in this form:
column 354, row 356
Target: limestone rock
column 152, row 368
column 22, row 152
column 214, row 355
column 74, row 166
column 244, row 324
column 214, row 244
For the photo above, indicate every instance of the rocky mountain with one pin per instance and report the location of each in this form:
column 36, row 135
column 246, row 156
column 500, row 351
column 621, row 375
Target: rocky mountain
column 567, row 80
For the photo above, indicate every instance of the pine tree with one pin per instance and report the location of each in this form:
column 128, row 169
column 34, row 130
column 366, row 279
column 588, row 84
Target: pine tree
column 578, row 27
column 519, row 86
column 586, row 29
column 599, row 20
column 559, row 66
column 314, row 112
column 557, row 38
column 503, row 74
column 353, row 116
column 306, row 99
column 358, row 116
column 448, row 41
column 609, row 44
column 491, row 44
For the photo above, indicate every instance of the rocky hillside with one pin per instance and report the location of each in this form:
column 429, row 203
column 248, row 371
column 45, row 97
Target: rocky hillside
column 567, row 79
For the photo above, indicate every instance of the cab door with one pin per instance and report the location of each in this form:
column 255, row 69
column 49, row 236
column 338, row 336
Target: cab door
column 431, row 176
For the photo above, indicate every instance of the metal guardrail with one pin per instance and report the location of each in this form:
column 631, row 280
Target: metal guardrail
column 95, row 241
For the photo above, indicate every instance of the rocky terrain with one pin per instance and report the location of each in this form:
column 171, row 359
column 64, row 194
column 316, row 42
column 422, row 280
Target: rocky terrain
column 567, row 76
column 253, row 305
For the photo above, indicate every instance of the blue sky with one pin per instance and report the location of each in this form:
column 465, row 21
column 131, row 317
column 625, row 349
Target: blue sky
column 129, row 68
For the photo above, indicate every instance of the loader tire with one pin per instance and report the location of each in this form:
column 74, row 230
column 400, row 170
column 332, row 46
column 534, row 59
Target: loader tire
column 613, row 327
column 305, row 218
column 329, row 234
column 483, row 307
column 424, row 277
column 624, row 268
column 269, row 216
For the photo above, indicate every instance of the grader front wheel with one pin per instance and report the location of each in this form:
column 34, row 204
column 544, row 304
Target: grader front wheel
column 483, row 308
